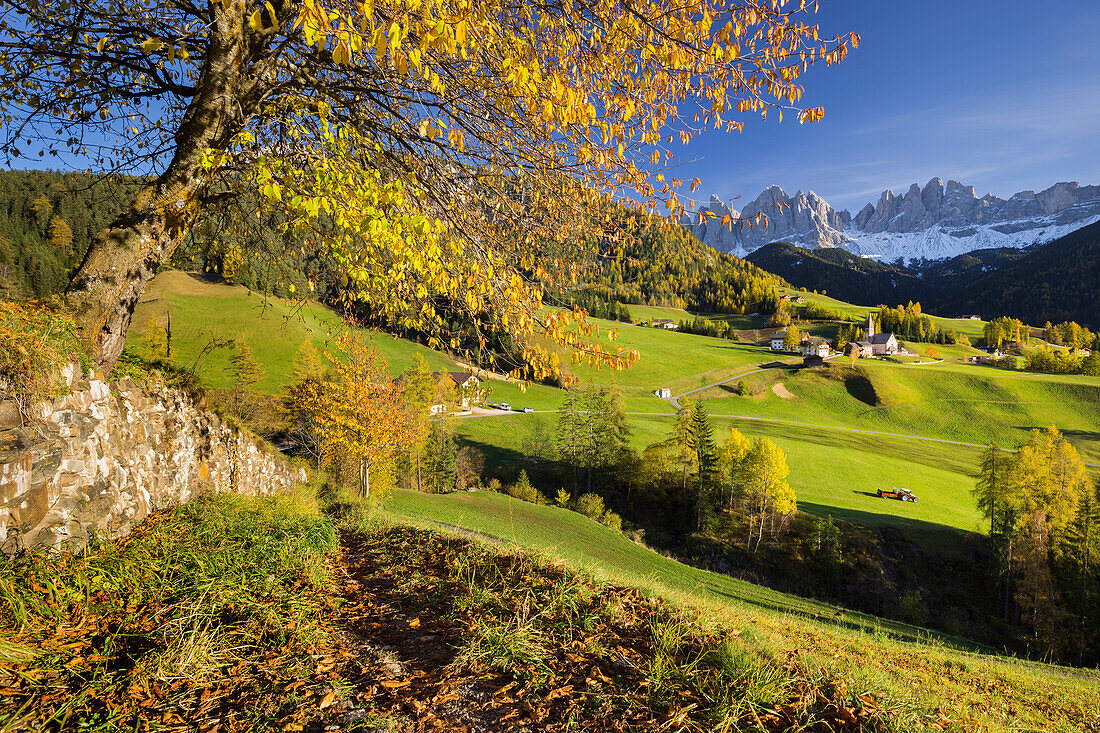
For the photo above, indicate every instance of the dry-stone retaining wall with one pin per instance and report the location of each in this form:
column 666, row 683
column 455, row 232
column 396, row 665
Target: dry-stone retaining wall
column 101, row 457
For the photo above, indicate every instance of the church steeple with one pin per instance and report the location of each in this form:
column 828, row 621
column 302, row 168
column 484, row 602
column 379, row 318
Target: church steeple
column 870, row 326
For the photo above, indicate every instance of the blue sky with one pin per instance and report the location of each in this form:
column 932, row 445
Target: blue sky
column 1002, row 95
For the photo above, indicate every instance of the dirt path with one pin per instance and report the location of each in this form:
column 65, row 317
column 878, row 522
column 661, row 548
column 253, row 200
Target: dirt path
column 781, row 391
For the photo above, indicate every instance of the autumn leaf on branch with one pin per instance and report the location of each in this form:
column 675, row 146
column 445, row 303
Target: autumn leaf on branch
column 446, row 154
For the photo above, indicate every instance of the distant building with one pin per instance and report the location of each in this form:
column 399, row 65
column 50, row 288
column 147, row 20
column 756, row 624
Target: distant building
column 797, row 299
column 814, row 361
column 468, row 392
column 664, row 393
column 666, row 323
column 866, row 348
column 777, row 343
column 814, row 347
column 882, row 344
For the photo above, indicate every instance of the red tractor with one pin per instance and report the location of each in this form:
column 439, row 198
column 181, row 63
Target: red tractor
column 896, row 493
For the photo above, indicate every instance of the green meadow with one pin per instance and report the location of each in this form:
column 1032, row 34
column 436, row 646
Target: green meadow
column 846, row 432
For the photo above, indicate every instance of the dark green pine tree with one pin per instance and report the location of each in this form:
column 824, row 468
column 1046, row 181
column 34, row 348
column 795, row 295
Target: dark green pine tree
column 706, row 479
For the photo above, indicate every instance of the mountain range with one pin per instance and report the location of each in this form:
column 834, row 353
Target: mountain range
column 1054, row 282
column 935, row 222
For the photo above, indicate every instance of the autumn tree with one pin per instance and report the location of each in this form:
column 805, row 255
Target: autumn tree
column 361, row 411
column 681, row 439
column 245, row 371
column 569, row 434
column 990, row 490
column 769, row 496
column 299, row 401
column 792, row 338
column 1046, row 483
column 60, row 235
column 731, row 455
column 439, row 150
column 440, row 458
column 42, row 209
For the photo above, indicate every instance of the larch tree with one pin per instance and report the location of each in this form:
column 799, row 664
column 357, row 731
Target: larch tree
column 991, row 486
column 60, row 235
column 1047, row 481
column 792, row 338
column 683, row 442
column 768, row 493
column 443, row 152
column 731, row 462
column 361, row 413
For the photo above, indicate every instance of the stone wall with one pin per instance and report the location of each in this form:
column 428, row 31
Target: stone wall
column 100, row 457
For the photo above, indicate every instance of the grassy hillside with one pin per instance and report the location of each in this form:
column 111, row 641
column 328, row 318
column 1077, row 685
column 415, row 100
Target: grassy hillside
column 912, row 669
column 286, row 613
column 835, row 469
column 566, row 535
column 203, row 310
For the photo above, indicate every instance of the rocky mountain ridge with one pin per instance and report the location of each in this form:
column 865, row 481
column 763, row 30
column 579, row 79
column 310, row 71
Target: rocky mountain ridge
column 934, row 222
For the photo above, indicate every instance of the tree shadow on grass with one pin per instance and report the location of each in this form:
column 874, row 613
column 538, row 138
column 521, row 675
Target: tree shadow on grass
column 930, row 536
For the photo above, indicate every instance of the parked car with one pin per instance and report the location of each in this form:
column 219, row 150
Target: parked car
column 896, row 493
column 528, row 409
column 505, row 406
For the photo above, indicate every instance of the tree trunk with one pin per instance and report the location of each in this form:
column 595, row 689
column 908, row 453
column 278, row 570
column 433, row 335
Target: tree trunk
column 364, row 478
column 124, row 257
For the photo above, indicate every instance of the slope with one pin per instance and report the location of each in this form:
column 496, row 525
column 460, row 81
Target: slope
column 885, row 659
column 1056, row 282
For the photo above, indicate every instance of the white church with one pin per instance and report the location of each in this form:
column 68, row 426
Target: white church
column 876, row 344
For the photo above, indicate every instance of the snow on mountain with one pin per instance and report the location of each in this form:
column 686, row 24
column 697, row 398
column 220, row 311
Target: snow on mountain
column 933, row 222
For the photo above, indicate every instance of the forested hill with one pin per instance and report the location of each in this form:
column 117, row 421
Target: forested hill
column 1056, row 282
column 47, row 220
column 667, row 266
column 838, row 272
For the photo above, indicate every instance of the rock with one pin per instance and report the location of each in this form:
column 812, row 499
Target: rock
column 939, row 220
column 105, row 464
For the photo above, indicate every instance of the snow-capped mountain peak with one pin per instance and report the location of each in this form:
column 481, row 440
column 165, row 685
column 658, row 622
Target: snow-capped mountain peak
column 935, row 221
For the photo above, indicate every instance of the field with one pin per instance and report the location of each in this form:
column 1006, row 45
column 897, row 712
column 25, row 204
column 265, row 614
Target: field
column 846, row 432
column 203, row 311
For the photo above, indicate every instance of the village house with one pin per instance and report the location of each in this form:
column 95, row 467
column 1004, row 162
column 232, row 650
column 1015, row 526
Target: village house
column 814, row 347
column 865, row 348
column 666, row 323
column 467, row 391
column 664, row 393
column 796, row 299
column 777, row 343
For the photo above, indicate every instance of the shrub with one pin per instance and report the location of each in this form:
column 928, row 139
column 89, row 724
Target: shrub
column 612, row 520
column 522, row 489
column 590, row 505
column 35, row 341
